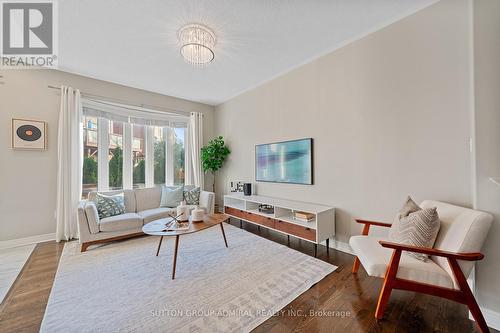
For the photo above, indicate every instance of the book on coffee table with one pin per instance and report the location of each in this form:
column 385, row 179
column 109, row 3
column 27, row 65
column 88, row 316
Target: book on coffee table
column 161, row 226
column 177, row 226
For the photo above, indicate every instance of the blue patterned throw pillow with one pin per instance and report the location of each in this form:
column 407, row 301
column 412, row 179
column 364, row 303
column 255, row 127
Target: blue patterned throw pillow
column 110, row 205
column 192, row 195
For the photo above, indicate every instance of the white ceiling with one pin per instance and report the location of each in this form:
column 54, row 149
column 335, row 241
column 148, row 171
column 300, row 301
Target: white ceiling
column 134, row 42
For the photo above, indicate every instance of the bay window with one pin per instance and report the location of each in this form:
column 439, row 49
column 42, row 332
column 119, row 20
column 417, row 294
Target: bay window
column 160, row 150
column 139, row 154
column 179, row 158
column 115, row 154
column 90, row 154
column 125, row 148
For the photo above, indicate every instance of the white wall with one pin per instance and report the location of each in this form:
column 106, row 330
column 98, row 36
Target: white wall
column 487, row 105
column 28, row 178
column 390, row 116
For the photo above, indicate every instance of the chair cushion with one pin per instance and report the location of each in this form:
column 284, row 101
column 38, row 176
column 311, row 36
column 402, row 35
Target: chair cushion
column 375, row 259
column 156, row 214
column 462, row 230
column 120, row 222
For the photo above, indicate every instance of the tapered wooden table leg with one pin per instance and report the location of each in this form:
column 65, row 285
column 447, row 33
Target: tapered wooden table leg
column 159, row 245
column 223, row 233
column 175, row 255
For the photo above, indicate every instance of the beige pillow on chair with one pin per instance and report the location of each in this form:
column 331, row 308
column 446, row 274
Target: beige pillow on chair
column 409, row 207
column 419, row 227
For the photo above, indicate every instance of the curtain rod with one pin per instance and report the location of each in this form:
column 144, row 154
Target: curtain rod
column 115, row 100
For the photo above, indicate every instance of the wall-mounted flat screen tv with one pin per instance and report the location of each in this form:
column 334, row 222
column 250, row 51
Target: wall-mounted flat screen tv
column 285, row 162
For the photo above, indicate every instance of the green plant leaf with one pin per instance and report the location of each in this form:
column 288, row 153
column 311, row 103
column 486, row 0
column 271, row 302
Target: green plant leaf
column 214, row 154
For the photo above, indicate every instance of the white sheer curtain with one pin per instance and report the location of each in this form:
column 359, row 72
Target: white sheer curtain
column 194, row 171
column 69, row 164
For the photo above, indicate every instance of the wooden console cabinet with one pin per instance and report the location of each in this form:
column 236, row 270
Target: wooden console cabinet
column 246, row 208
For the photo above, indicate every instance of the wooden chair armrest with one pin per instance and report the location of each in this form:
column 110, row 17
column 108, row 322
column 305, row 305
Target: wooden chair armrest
column 367, row 224
column 378, row 224
column 433, row 252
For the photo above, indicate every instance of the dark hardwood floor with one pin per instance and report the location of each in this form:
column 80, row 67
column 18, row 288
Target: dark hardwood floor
column 23, row 308
column 341, row 302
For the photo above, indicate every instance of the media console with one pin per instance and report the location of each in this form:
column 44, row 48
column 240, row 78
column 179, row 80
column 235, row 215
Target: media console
column 246, row 208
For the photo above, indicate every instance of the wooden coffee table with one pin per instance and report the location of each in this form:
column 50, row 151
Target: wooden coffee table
column 209, row 220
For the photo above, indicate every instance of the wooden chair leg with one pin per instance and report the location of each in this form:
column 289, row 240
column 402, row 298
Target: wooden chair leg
column 390, row 275
column 469, row 296
column 476, row 313
column 355, row 266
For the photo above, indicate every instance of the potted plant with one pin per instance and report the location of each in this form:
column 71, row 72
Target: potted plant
column 213, row 156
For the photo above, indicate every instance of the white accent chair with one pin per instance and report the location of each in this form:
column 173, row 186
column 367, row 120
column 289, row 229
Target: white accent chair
column 458, row 244
column 141, row 207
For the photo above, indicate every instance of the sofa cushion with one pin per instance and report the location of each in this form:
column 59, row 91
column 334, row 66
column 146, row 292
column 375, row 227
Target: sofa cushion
column 147, row 198
column 171, row 196
column 120, row 222
column 129, row 196
column 192, row 195
column 156, row 214
column 110, row 205
column 375, row 259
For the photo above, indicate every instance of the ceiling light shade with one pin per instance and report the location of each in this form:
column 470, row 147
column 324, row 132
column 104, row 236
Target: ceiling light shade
column 197, row 44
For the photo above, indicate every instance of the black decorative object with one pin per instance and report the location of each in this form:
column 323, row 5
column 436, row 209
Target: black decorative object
column 247, row 189
column 29, row 134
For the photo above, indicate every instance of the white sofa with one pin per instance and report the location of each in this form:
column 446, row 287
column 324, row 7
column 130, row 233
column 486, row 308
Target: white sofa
column 141, row 205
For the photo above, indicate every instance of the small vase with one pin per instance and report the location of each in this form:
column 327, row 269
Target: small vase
column 183, row 211
column 198, row 214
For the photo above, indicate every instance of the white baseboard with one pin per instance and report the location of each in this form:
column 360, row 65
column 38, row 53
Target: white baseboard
column 26, row 241
column 492, row 318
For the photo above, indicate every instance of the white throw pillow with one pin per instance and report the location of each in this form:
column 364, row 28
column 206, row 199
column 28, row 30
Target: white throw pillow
column 171, row 196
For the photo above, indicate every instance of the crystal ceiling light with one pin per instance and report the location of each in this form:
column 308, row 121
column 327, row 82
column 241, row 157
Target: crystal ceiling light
column 197, row 44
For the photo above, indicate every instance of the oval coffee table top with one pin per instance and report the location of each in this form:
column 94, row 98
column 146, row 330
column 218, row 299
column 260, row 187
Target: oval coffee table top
column 209, row 220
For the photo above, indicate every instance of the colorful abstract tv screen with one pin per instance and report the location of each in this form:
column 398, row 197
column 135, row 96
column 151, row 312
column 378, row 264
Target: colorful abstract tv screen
column 285, row 162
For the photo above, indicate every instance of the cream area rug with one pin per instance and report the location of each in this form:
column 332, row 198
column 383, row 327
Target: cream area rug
column 124, row 287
